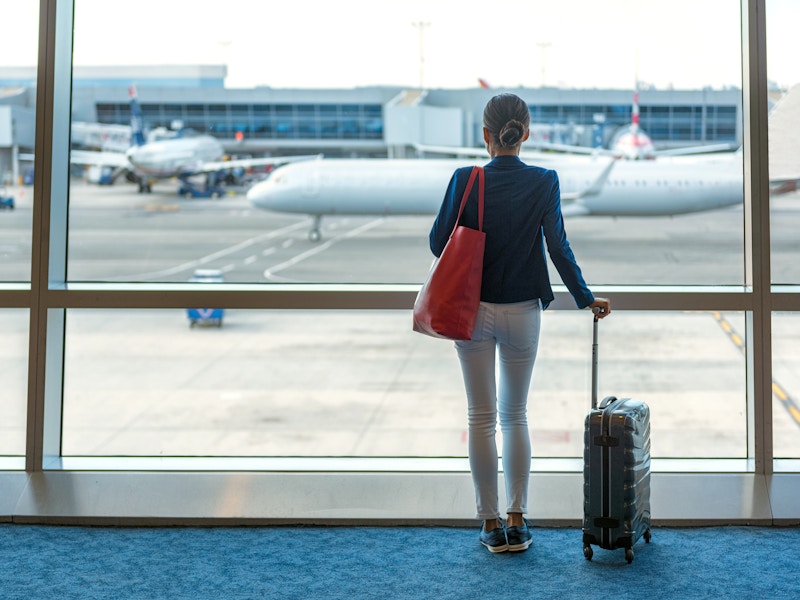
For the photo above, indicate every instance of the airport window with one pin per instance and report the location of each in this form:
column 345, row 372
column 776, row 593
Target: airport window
column 280, row 385
column 783, row 150
column 785, row 273
column 221, row 110
column 17, row 152
column 171, row 388
column 14, row 331
column 113, row 113
column 785, row 383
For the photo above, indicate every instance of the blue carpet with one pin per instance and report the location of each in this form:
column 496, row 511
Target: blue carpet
column 399, row 562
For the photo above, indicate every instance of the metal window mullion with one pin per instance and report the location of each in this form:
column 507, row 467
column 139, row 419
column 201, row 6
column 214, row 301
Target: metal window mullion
column 757, row 234
column 49, row 252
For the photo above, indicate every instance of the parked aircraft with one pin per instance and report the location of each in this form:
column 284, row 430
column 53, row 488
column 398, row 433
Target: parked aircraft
column 166, row 154
column 589, row 186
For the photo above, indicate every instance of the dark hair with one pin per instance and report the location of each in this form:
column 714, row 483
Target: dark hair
column 506, row 117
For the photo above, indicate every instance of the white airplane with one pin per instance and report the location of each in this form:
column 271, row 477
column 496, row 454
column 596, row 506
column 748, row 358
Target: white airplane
column 169, row 154
column 589, row 186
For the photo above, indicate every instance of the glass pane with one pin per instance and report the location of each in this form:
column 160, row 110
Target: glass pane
column 352, row 383
column 786, row 385
column 663, row 220
column 784, row 145
column 14, row 381
column 19, row 51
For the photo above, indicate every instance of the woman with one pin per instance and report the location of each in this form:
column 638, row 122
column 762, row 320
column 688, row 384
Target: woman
column 522, row 211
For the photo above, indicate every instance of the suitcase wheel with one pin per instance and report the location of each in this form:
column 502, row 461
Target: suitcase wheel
column 629, row 555
column 587, row 552
column 647, row 535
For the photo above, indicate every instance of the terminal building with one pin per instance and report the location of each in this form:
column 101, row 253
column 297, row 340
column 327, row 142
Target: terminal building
column 356, row 122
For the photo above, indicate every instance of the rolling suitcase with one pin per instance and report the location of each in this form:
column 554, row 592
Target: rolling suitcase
column 616, row 471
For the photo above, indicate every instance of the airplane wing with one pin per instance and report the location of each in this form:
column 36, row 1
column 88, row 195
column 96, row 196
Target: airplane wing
column 99, row 159
column 453, row 150
column 569, row 199
column 686, row 151
column 246, row 163
column 705, row 149
column 569, row 149
column 476, row 152
column 574, row 210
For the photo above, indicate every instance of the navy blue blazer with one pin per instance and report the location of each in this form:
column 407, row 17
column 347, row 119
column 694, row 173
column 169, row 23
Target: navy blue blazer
column 522, row 210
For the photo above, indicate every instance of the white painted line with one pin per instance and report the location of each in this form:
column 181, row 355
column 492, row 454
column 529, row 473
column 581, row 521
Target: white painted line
column 193, row 264
column 317, row 249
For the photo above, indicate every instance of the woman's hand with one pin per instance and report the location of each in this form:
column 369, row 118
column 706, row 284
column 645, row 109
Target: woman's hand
column 604, row 304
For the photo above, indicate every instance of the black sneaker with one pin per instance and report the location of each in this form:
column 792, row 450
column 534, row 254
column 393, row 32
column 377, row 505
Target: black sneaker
column 519, row 538
column 494, row 540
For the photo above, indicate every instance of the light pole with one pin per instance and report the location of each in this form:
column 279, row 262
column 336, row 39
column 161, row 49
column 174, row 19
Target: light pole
column 544, row 46
column 421, row 25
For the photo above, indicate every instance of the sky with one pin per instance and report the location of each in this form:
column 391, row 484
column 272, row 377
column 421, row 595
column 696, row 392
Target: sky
column 682, row 44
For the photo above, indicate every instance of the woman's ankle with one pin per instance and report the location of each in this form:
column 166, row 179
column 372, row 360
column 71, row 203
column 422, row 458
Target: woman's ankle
column 515, row 520
column 490, row 524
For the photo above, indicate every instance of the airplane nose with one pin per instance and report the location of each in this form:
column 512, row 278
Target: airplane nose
column 258, row 195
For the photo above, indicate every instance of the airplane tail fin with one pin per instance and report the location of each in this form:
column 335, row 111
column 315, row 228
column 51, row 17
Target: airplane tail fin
column 635, row 109
column 137, row 121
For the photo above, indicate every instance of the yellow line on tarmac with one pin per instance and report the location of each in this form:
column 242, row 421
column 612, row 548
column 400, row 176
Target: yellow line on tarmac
column 788, row 402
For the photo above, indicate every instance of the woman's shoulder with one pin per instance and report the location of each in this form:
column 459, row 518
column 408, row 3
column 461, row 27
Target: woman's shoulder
column 542, row 173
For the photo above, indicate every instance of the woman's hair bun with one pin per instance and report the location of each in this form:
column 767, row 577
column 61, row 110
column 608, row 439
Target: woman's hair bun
column 511, row 134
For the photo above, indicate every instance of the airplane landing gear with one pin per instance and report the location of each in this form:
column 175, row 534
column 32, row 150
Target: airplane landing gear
column 144, row 186
column 315, row 235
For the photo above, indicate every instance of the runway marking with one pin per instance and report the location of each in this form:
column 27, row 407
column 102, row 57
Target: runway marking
column 193, row 264
column 268, row 274
column 250, row 259
column 789, row 403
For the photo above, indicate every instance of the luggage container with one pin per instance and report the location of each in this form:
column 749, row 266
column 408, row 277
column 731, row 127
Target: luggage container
column 206, row 316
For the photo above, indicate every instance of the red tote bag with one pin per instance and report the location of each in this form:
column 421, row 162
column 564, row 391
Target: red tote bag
column 447, row 304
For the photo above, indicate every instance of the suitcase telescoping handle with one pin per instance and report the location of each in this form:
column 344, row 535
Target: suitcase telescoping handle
column 596, row 310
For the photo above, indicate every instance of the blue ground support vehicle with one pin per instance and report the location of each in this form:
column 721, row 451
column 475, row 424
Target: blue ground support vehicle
column 188, row 190
column 206, row 316
column 6, row 200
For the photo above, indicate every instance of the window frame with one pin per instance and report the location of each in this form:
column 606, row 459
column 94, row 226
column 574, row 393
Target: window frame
column 50, row 295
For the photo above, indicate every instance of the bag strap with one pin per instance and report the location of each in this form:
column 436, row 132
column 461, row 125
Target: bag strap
column 477, row 172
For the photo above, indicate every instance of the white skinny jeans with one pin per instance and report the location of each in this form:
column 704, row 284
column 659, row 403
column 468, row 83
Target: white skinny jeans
column 514, row 330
